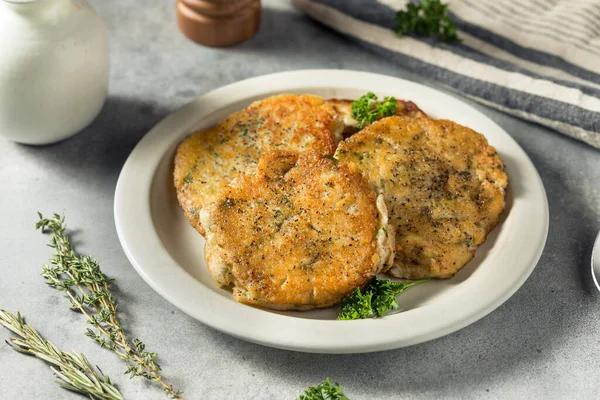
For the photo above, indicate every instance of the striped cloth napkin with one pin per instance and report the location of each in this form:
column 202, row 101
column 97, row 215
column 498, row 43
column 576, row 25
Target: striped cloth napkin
column 535, row 59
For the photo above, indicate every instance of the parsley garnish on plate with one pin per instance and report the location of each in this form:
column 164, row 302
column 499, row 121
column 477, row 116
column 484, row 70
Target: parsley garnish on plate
column 367, row 109
column 375, row 300
column 325, row 391
column 426, row 18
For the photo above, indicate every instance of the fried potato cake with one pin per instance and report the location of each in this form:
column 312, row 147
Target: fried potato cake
column 443, row 185
column 343, row 107
column 207, row 161
column 301, row 232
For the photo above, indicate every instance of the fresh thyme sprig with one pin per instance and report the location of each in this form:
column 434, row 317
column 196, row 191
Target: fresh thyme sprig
column 72, row 368
column 80, row 277
column 427, row 18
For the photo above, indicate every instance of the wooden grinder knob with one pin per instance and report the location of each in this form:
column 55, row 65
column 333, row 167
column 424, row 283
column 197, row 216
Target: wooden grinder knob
column 218, row 22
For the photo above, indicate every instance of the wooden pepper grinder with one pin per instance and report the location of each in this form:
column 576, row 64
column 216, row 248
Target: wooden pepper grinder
column 218, row 23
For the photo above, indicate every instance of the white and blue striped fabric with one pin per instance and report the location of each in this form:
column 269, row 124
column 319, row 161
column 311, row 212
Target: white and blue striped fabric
column 535, row 59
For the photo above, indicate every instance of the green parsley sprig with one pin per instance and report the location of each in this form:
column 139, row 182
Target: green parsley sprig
column 377, row 299
column 325, row 391
column 87, row 288
column 426, row 18
column 367, row 109
column 73, row 369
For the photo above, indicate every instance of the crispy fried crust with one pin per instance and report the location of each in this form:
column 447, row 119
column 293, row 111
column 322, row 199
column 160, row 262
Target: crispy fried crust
column 444, row 187
column 302, row 232
column 207, row 161
column 343, row 107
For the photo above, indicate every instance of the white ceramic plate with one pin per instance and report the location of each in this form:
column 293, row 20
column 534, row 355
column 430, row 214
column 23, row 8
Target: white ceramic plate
column 168, row 253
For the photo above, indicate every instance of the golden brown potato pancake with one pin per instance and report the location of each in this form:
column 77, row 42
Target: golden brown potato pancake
column 207, row 161
column 443, row 185
column 301, row 232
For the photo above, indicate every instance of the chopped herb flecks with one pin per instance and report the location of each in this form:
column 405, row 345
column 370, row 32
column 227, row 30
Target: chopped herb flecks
column 327, row 156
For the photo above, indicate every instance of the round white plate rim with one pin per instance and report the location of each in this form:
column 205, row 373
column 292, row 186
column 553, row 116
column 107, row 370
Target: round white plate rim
column 136, row 233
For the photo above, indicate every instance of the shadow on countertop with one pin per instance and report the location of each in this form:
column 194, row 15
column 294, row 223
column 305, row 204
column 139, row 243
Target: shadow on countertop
column 104, row 145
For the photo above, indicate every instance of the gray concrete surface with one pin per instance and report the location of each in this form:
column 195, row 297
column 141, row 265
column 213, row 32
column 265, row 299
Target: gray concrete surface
column 543, row 343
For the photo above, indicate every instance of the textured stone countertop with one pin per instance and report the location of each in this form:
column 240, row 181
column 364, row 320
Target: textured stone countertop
column 543, row 343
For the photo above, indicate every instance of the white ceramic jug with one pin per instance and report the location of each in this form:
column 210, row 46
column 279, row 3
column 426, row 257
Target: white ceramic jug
column 54, row 69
